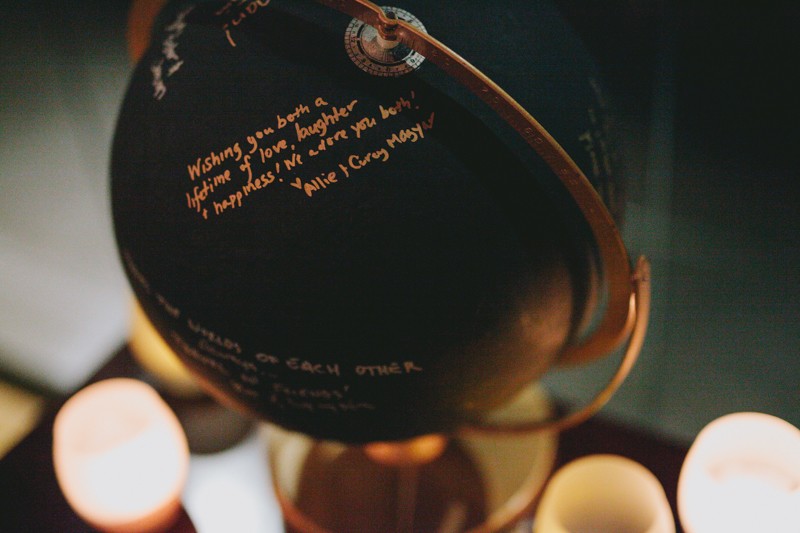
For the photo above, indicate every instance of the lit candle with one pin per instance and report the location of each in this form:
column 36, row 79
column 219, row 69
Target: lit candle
column 120, row 456
column 604, row 494
column 742, row 474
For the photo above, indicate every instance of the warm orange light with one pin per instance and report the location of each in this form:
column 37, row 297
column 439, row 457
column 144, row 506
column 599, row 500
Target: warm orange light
column 416, row 451
column 156, row 357
column 120, row 456
column 742, row 474
column 604, row 494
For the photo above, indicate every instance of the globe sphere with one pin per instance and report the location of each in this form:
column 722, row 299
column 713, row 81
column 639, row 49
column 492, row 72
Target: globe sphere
column 359, row 257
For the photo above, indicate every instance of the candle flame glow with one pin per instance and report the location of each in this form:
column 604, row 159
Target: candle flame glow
column 120, row 456
column 742, row 474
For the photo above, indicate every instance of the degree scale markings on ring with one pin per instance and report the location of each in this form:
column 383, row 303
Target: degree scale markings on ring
column 365, row 49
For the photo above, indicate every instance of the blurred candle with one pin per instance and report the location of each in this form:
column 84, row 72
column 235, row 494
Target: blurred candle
column 604, row 494
column 120, row 456
column 742, row 474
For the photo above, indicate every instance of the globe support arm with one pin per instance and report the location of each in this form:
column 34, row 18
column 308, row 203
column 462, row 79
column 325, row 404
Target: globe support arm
column 617, row 321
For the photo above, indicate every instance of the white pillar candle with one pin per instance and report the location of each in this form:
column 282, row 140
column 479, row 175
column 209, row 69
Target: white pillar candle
column 742, row 474
column 604, row 494
column 120, row 456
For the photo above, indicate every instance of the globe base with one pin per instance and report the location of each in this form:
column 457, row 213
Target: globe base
column 475, row 483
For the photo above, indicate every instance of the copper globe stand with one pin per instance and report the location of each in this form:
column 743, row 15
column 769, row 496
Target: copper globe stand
column 625, row 315
column 476, row 483
column 499, row 466
column 404, row 464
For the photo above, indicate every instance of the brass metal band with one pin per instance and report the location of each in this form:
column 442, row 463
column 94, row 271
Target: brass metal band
column 628, row 293
column 618, row 318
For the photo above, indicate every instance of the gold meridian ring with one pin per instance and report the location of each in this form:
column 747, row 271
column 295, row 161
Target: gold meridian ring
column 628, row 292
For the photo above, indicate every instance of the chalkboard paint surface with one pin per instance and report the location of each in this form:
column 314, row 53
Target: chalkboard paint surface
column 359, row 258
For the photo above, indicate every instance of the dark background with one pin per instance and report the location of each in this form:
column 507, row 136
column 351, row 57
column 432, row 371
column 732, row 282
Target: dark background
column 706, row 95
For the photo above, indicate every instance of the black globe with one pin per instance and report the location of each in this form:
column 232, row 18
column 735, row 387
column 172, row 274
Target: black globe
column 353, row 256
